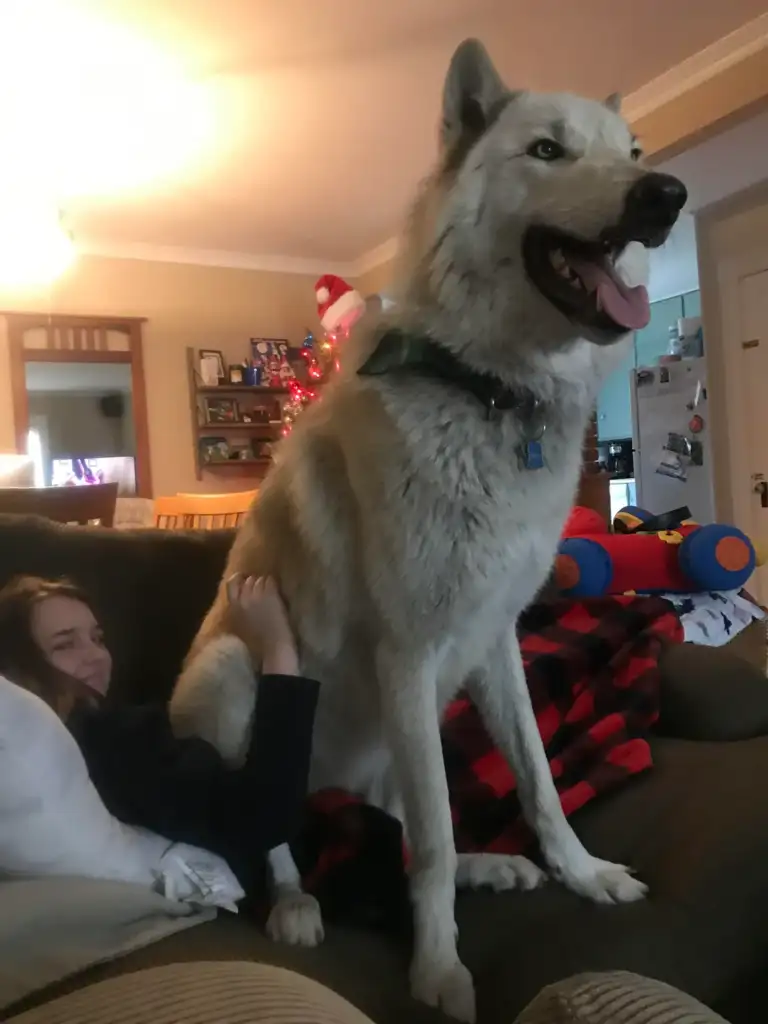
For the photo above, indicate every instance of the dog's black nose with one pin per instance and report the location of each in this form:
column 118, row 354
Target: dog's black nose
column 653, row 204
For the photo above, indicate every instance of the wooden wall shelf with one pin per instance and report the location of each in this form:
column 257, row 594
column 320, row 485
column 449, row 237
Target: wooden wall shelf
column 253, row 467
column 236, row 463
column 244, row 428
column 239, row 389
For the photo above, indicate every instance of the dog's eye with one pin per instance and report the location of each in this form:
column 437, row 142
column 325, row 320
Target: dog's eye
column 546, row 149
column 636, row 153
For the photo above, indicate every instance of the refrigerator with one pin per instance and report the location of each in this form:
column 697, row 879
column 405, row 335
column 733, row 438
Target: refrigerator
column 671, row 438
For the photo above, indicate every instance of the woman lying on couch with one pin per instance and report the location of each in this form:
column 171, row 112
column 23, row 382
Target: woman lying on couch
column 52, row 645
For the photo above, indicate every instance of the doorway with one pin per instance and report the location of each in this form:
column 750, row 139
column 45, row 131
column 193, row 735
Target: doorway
column 79, row 399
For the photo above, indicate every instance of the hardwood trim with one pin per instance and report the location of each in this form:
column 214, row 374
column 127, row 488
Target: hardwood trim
column 729, row 96
column 18, row 384
column 140, row 420
column 75, row 355
column 109, row 323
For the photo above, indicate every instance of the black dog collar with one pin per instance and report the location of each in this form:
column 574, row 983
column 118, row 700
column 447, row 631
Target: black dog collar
column 398, row 351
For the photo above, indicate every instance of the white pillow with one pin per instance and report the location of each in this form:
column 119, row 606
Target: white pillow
column 52, row 820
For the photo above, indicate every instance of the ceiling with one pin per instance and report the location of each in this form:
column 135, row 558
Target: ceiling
column 298, row 129
column 80, row 378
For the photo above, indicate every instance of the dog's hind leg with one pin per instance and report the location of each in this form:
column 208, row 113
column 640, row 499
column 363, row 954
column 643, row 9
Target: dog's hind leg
column 215, row 699
column 409, row 706
column 503, row 699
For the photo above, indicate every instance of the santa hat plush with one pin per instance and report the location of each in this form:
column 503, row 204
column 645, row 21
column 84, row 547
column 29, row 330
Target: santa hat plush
column 338, row 304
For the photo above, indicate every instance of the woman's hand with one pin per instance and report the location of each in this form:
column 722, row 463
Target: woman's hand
column 261, row 620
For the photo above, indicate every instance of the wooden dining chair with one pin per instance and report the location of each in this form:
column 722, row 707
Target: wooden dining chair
column 89, row 505
column 202, row 511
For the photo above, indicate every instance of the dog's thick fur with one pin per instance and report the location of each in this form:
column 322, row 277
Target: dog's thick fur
column 404, row 533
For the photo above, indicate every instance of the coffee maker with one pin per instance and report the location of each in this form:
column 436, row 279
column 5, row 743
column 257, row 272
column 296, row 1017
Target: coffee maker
column 615, row 457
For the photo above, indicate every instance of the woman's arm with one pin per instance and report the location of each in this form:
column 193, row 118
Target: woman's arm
column 182, row 788
column 260, row 806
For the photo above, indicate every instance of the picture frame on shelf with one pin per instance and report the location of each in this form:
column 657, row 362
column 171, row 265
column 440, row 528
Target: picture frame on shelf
column 262, row 349
column 236, row 373
column 211, row 358
column 221, row 410
column 270, row 356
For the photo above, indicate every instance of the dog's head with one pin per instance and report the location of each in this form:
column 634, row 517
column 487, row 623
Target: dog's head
column 541, row 210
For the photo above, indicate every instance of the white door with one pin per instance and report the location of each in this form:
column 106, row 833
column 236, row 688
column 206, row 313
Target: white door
column 752, row 349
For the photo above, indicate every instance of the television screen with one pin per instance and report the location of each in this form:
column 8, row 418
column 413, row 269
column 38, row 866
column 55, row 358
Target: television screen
column 120, row 470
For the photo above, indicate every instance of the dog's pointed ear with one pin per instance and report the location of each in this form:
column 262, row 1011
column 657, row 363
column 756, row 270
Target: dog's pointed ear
column 473, row 94
column 613, row 102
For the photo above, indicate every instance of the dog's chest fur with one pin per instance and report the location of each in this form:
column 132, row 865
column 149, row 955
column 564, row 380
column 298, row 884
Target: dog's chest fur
column 466, row 526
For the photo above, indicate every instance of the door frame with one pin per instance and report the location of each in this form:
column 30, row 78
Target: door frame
column 88, row 335
column 730, row 272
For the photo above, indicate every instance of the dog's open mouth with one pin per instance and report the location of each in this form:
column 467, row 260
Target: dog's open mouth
column 580, row 278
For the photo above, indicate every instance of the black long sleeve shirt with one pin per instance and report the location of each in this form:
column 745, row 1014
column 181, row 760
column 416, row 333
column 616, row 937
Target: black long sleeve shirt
column 183, row 789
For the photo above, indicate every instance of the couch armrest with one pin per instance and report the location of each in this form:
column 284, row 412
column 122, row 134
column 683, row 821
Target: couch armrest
column 708, row 693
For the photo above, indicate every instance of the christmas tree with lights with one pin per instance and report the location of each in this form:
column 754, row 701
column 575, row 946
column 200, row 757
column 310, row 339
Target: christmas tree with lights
column 339, row 307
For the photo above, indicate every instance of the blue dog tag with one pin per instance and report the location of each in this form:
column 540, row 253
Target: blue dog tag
column 532, row 455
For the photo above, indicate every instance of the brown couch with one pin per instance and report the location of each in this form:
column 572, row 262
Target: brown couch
column 695, row 827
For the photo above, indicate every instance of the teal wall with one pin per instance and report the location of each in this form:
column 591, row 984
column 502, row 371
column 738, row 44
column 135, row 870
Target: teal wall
column 614, row 417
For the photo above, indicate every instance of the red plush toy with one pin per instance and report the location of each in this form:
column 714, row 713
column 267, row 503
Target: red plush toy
column 592, row 561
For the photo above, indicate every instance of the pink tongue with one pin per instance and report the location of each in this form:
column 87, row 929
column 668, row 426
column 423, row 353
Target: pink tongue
column 628, row 307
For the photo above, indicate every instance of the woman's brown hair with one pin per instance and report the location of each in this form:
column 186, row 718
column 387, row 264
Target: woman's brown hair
column 21, row 660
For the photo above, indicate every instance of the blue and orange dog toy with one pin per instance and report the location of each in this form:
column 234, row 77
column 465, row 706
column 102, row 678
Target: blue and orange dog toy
column 650, row 554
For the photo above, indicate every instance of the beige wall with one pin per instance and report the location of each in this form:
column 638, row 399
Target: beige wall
column 205, row 307
column 378, row 279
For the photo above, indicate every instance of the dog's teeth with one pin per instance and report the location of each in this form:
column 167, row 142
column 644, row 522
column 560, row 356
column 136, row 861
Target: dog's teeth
column 557, row 259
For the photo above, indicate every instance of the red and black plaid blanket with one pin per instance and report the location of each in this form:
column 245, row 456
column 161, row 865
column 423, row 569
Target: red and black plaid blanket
column 592, row 669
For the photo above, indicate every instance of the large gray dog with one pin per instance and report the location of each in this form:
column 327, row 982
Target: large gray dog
column 414, row 512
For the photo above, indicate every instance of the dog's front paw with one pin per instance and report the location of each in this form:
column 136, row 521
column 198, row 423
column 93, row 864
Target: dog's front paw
column 497, row 871
column 296, row 920
column 601, row 881
column 450, row 988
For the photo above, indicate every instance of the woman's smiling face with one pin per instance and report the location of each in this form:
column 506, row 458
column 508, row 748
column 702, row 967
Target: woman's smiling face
column 71, row 639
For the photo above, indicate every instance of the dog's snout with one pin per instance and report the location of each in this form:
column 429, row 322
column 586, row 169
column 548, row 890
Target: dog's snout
column 654, row 202
column 657, row 195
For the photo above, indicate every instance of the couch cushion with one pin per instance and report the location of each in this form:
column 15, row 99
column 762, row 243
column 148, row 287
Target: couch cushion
column 363, row 967
column 693, row 829
column 150, row 588
column 711, row 693
column 238, row 993
column 616, row 997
